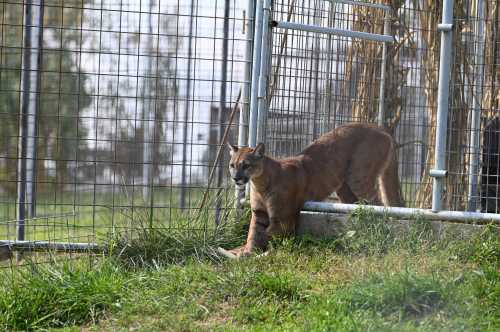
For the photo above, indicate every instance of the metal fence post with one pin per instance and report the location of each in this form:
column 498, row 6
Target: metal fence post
column 439, row 172
column 381, row 106
column 257, row 46
column 149, row 118
column 30, row 86
column 264, row 72
column 246, row 93
column 182, row 198
column 327, row 101
column 222, row 108
column 474, row 149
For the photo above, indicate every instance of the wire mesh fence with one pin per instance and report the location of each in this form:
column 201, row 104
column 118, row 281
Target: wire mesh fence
column 132, row 98
column 319, row 81
column 114, row 110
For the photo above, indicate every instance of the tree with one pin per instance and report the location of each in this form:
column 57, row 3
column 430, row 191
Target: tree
column 63, row 93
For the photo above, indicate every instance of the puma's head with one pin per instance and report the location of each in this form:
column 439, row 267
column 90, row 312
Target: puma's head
column 245, row 163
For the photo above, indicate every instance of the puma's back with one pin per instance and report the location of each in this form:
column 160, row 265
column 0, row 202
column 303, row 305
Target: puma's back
column 360, row 156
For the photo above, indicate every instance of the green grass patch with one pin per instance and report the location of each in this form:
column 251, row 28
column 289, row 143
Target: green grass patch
column 370, row 279
column 62, row 294
column 404, row 294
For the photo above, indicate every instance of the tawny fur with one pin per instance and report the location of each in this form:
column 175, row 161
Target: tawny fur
column 357, row 161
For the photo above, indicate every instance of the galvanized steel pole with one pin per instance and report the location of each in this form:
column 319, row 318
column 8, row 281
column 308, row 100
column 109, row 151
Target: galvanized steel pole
column 149, row 117
column 439, row 171
column 243, row 129
column 264, row 72
column 257, row 46
column 381, row 98
column 402, row 212
column 222, row 109
column 246, row 93
column 182, row 198
column 30, row 79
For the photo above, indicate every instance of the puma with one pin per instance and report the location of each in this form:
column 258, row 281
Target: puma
column 357, row 161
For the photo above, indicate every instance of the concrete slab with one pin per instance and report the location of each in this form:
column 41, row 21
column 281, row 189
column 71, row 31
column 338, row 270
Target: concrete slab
column 331, row 225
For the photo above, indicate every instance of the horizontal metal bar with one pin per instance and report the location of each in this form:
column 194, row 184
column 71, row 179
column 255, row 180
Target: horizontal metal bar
column 334, row 31
column 362, row 4
column 47, row 245
column 403, row 212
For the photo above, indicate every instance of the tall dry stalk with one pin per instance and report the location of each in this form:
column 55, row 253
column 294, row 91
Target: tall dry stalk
column 491, row 93
column 366, row 74
column 429, row 11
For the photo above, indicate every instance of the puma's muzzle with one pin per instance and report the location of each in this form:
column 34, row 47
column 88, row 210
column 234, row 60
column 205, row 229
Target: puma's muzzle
column 240, row 182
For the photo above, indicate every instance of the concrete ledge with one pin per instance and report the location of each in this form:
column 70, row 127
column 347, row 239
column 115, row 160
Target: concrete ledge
column 330, row 225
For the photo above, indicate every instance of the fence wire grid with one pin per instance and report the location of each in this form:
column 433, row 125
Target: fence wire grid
column 132, row 99
column 113, row 111
column 320, row 81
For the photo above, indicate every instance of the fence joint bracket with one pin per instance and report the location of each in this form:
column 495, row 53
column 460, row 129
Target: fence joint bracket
column 445, row 27
column 438, row 173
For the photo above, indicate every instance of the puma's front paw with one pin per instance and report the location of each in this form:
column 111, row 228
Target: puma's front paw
column 235, row 253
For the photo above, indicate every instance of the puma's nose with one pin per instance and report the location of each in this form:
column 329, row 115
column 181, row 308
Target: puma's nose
column 239, row 180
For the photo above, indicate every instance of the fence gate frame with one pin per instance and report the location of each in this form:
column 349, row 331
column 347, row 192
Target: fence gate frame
column 259, row 101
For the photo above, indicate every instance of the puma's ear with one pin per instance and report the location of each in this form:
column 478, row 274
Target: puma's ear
column 259, row 150
column 232, row 149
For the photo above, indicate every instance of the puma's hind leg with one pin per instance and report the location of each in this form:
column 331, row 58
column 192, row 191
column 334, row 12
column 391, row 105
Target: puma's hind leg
column 388, row 183
column 364, row 186
column 346, row 195
column 364, row 171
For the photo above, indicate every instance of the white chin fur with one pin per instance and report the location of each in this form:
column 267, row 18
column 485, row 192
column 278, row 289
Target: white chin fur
column 239, row 186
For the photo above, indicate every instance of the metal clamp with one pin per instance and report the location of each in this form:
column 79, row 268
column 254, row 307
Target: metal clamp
column 438, row 173
column 445, row 27
column 267, row 5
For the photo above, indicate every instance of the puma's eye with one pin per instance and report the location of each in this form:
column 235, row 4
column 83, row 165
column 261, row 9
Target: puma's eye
column 246, row 166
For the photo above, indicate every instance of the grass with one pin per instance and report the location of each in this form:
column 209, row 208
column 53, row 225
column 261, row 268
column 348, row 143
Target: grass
column 370, row 279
